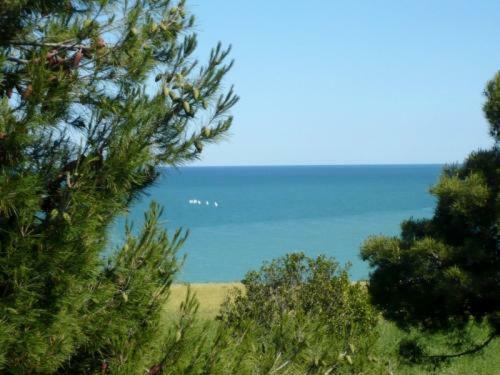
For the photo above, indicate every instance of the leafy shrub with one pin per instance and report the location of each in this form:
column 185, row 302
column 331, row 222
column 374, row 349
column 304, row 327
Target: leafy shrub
column 299, row 314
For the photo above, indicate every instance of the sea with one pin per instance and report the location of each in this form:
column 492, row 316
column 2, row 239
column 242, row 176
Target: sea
column 240, row 217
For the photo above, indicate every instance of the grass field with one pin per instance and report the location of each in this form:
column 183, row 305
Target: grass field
column 211, row 295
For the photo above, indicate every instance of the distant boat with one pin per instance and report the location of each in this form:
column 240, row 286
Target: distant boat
column 216, row 204
column 207, row 203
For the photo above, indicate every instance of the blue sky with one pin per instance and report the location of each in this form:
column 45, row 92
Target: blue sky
column 353, row 82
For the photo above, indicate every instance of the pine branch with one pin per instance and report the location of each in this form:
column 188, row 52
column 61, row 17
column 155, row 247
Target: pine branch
column 475, row 349
column 62, row 45
column 17, row 60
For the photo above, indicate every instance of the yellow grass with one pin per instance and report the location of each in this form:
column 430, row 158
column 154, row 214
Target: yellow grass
column 209, row 295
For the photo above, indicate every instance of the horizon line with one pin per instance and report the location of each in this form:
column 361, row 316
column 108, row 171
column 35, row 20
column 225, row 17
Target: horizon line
column 310, row 165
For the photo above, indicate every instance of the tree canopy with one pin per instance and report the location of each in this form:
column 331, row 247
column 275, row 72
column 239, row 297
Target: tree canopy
column 95, row 97
column 443, row 271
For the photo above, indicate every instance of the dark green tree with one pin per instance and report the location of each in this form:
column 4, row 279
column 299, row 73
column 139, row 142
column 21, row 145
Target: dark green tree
column 95, row 97
column 443, row 272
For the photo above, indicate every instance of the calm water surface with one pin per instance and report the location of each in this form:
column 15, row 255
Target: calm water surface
column 263, row 212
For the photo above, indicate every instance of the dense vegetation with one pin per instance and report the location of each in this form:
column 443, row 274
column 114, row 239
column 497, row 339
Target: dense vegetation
column 306, row 315
column 95, row 96
column 443, row 272
column 384, row 357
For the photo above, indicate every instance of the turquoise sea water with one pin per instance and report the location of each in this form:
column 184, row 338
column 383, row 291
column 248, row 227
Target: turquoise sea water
column 264, row 212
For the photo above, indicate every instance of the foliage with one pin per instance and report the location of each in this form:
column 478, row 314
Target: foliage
column 421, row 344
column 233, row 353
column 95, row 96
column 300, row 315
column 492, row 106
column 130, row 292
column 442, row 272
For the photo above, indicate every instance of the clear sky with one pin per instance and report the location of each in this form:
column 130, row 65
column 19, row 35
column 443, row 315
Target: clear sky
column 353, row 82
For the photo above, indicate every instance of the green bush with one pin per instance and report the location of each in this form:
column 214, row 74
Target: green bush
column 299, row 314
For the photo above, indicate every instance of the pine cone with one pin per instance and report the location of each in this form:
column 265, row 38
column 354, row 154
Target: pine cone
column 100, row 43
column 77, row 58
column 156, row 369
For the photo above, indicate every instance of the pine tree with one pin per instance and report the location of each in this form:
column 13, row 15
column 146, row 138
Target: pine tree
column 443, row 272
column 95, row 97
